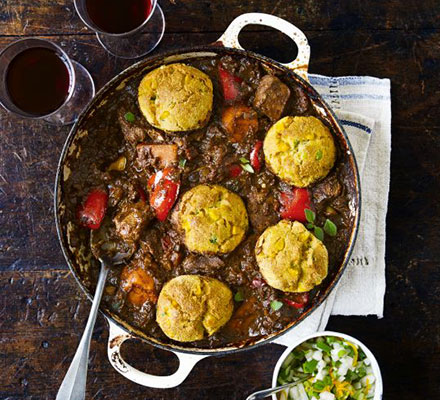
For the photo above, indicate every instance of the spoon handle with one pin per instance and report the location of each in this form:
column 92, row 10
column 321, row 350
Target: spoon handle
column 267, row 392
column 73, row 386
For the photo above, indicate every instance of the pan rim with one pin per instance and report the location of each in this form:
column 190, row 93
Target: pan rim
column 126, row 73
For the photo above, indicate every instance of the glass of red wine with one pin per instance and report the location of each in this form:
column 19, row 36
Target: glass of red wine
column 39, row 81
column 125, row 28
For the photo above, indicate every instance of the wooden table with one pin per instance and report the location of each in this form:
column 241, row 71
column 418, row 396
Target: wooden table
column 42, row 311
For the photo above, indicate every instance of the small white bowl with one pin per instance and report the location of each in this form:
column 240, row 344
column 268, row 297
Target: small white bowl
column 375, row 366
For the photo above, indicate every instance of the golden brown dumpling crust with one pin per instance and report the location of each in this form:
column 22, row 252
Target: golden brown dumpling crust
column 291, row 258
column 213, row 219
column 300, row 150
column 176, row 97
column 191, row 307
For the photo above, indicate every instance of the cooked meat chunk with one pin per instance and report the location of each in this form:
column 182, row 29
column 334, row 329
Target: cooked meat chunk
column 329, row 188
column 131, row 219
column 271, row 97
column 198, row 264
column 133, row 133
column 157, row 155
column 300, row 101
column 262, row 207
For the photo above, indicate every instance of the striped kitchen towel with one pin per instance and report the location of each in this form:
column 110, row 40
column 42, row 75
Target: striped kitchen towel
column 363, row 107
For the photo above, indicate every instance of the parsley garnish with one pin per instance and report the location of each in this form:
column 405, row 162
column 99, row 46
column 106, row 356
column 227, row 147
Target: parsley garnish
column 329, row 227
column 129, row 117
column 276, row 305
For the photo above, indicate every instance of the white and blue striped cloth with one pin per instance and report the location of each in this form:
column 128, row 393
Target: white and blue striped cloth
column 363, row 106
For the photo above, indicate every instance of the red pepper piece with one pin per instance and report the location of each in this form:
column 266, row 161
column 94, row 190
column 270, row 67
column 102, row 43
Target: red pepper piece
column 256, row 156
column 234, row 170
column 164, row 191
column 301, row 300
column 293, row 204
column 92, row 211
column 230, row 84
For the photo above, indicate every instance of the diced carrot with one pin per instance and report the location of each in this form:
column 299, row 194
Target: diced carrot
column 239, row 121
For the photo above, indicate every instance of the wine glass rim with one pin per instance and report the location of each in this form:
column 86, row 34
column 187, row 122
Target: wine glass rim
column 96, row 29
column 70, row 67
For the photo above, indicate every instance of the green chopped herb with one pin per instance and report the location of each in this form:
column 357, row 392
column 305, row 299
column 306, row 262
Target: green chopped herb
column 331, row 339
column 238, row 296
column 248, row 168
column 341, row 353
column 213, row 239
column 350, row 376
column 310, row 366
column 330, row 228
column 319, row 233
column 276, row 305
column 361, row 372
column 318, row 155
column 244, row 160
column 129, row 117
column 328, row 380
column 182, row 162
column 310, row 215
column 324, row 346
column 310, row 225
column 319, row 385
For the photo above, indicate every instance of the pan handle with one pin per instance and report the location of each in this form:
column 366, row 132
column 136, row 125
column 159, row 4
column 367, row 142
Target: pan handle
column 300, row 65
column 118, row 336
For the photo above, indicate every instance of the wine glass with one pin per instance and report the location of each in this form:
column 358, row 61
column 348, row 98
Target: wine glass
column 125, row 28
column 38, row 80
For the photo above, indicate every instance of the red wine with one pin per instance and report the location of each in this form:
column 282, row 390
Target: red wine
column 118, row 16
column 38, row 81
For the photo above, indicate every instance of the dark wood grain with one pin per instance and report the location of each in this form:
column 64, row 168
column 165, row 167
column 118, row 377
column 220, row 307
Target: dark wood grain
column 42, row 311
column 29, row 17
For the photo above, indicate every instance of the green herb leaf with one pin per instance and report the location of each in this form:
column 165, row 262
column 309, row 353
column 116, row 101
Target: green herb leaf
column 331, row 339
column 318, row 155
column 327, row 380
column 310, row 215
column 244, row 160
column 350, row 376
column 310, row 366
column 276, row 305
column 238, row 296
column 213, row 239
column 319, row 385
column 323, row 346
column 319, row 233
column 248, row 168
column 182, row 162
column 341, row 353
column 361, row 372
column 330, row 228
column 129, row 117
column 310, row 225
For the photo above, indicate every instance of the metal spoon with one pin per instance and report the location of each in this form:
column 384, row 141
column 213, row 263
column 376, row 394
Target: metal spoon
column 73, row 386
column 267, row 392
